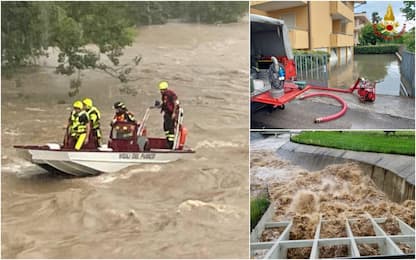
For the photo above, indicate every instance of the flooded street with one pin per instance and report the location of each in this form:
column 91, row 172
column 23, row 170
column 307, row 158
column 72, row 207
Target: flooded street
column 381, row 67
column 193, row 208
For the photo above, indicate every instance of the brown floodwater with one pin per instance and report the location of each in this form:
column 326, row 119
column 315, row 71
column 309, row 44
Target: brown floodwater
column 193, row 208
column 335, row 193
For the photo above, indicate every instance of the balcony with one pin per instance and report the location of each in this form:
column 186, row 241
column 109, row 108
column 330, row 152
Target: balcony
column 340, row 11
column 358, row 27
column 360, row 20
column 298, row 38
column 269, row 6
column 341, row 40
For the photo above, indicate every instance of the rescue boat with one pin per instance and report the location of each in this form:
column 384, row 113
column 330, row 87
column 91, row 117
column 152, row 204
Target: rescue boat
column 128, row 145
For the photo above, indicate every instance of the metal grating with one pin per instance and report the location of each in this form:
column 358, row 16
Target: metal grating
column 351, row 245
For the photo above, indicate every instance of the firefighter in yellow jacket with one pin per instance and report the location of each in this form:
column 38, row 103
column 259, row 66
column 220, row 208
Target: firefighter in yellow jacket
column 79, row 125
column 94, row 116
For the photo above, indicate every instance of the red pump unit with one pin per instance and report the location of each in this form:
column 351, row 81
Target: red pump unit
column 366, row 90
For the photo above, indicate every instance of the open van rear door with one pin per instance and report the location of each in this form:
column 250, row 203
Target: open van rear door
column 270, row 37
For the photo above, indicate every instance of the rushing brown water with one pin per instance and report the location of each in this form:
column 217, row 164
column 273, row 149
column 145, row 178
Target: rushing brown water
column 338, row 191
column 193, row 208
column 335, row 193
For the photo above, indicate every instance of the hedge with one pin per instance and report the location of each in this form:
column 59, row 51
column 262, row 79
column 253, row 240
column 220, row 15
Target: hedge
column 377, row 49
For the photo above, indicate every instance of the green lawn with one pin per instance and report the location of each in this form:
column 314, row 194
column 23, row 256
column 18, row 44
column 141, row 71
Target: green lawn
column 400, row 142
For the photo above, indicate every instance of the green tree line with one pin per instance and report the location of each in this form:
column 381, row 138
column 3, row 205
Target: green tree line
column 28, row 29
column 188, row 11
column 368, row 37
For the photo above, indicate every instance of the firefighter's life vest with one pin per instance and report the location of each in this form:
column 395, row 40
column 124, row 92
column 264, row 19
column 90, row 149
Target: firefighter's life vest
column 94, row 115
column 169, row 99
column 124, row 117
column 78, row 126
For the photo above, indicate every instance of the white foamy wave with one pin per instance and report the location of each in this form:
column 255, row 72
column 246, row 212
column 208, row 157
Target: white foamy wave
column 202, row 159
column 143, row 168
column 35, row 109
column 117, row 216
column 207, row 214
column 104, row 178
column 110, row 177
column 17, row 166
column 274, row 174
column 146, row 168
column 190, row 205
column 22, row 169
column 216, row 144
column 11, row 132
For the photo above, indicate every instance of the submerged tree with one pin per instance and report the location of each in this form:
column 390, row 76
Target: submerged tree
column 29, row 28
column 214, row 12
column 23, row 36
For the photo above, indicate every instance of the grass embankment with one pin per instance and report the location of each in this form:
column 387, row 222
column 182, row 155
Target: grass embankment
column 399, row 142
column 257, row 208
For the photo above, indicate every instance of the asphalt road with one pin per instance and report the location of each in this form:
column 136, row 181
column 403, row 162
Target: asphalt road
column 387, row 112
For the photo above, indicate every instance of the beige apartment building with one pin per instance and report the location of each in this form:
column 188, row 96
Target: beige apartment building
column 360, row 19
column 315, row 25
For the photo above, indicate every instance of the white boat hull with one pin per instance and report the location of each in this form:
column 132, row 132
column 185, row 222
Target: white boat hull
column 127, row 146
column 80, row 163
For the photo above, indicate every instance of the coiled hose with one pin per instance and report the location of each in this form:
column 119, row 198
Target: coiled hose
column 331, row 117
column 349, row 90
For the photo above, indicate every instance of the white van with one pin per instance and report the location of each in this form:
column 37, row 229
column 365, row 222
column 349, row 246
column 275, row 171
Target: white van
column 268, row 37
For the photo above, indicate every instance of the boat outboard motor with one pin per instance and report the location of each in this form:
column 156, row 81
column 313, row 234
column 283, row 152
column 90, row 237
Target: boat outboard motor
column 276, row 78
column 157, row 104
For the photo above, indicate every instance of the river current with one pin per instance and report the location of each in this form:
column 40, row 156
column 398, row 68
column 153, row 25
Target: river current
column 193, row 208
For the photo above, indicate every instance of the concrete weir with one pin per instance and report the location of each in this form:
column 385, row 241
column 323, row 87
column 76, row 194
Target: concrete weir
column 393, row 174
column 387, row 245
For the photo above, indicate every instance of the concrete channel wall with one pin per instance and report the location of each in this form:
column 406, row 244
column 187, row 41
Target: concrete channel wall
column 267, row 217
column 388, row 244
column 393, row 174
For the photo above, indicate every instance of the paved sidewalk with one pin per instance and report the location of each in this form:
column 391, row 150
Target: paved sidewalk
column 387, row 112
